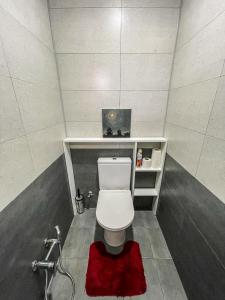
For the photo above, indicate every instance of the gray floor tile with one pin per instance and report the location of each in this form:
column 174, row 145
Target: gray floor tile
column 161, row 275
column 145, row 219
column 85, row 220
column 158, row 243
column 78, row 242
column 169, row 280
column 141, row 235
column 154, row 291
column 61, row 288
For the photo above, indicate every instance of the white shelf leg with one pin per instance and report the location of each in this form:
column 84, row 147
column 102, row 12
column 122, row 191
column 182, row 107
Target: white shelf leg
column 69, row 167
column 134, row 167
column 159, row 178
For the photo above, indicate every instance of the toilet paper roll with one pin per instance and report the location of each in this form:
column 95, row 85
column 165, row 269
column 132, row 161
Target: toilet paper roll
column 146, row 162
column 156, row 158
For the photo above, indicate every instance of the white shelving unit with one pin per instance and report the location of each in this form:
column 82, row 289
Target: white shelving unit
column 131, row 143
column 141, row 169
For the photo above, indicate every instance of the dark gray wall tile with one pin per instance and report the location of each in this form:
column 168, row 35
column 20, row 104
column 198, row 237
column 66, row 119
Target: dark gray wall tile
column 205, row 209
column 190, row 216
column 24, row 224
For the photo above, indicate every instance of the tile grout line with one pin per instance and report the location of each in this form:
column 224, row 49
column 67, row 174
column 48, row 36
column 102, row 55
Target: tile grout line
column 123, row 90
column 114, row 53
column 205, row 135
column 20, row 113
column 194, row 130
column 121, row 24
column 171, row 74
column 40, row 83
column 32, row 132
column 57, row 72
column 200, row 30
column 24, row 27
column 181, row 126
column 163, row 292
column 197, row 82
column 112, row 7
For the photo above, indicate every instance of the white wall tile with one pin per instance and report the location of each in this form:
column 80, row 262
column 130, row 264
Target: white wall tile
column 216, row 125
column 211, row 171
column 145, row 71
column 84, row 129
column 39, row 105
column 149, row 30
column 184, row 146
column 223, row 72
column 151, row 3
column 32, row 14
column 25, row 48
column 86, row 30
column 46, row 146
column 146, row 106
column 10, row 120
column 196, row 15
column 3, row 64
column 28, row 59
column 84, row 3
column 146, row 129
column 203, row 57
column 196, row 103
column 81, row 106
column 190, row 106
column 89, row 71
column 16, row 171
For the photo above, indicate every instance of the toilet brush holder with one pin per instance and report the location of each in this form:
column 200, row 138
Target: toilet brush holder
column 80, row 204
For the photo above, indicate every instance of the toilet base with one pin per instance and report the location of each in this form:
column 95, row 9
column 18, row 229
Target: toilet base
column 114, row 238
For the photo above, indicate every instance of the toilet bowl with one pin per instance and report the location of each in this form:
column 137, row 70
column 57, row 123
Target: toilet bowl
column 115, row 213
column 115, row 210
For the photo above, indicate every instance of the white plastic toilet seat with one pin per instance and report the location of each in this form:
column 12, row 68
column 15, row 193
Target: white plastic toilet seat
column 115, row 210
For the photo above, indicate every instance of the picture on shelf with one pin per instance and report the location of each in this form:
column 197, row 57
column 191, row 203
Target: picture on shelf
column 116, row 123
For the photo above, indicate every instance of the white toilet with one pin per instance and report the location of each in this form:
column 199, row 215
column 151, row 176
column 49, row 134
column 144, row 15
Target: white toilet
column 115, row 210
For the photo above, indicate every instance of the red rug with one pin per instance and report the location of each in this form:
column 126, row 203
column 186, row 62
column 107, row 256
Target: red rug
column 115, row 275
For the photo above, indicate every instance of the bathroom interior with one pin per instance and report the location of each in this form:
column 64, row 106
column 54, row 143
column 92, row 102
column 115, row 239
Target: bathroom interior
column 112, row 149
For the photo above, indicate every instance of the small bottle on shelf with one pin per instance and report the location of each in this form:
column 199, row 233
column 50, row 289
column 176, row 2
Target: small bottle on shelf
column 139, row 158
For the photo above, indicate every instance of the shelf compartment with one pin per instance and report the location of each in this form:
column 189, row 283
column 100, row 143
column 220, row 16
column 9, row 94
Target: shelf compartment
column 143, row 203
column 141, row 169
column 145, row 192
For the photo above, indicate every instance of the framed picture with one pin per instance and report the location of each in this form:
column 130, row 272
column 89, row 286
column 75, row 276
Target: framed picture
column 116, row 123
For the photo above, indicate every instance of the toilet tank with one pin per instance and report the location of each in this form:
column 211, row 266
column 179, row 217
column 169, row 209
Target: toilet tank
column 114, row 173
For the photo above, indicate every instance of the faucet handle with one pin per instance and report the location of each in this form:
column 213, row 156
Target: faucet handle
column 90, row 194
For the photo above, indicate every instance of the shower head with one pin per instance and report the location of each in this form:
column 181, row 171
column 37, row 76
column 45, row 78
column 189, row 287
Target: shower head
column 58, row 232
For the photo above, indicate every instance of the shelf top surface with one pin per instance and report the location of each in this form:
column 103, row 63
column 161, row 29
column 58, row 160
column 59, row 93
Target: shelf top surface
column 115, row 140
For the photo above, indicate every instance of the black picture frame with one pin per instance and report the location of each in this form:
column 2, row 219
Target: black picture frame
column 116, row 123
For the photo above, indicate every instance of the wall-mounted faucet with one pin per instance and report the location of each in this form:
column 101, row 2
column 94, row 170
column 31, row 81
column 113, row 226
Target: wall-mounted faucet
column 47, row 265
column 90, row 194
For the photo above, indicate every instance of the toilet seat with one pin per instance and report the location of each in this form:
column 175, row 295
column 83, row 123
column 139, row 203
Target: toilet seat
column 115, row 210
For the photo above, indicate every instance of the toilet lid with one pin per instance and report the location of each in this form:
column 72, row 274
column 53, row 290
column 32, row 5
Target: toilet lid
column 115, row 210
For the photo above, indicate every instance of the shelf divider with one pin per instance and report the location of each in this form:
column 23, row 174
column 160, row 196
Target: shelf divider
column 145, row 192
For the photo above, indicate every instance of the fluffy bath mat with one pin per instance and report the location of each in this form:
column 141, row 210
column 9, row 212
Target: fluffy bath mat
column 115, row 275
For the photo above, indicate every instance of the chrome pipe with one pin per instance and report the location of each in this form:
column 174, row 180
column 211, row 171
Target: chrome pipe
column 46, row 265
column 53, row 243
column 50, row 265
